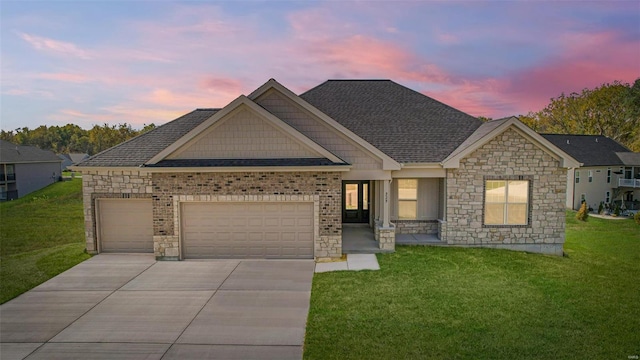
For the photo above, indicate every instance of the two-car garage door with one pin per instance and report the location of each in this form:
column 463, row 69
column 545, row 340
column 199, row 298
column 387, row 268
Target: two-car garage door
column 212, row 229
column 247, row 230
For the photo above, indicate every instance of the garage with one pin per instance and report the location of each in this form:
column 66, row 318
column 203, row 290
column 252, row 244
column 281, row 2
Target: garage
column 125, row 225
column 247, row 230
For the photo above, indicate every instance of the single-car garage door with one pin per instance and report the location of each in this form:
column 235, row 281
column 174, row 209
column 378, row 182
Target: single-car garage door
column 125, row 225
column 247, row 230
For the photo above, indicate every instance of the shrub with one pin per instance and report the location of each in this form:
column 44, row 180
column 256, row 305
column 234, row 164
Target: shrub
column 636, row 217
column 601, row 208
column 616, row 210
column 583, row 213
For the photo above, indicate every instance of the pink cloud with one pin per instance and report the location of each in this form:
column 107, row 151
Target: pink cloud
column 66, row 77
column 589, row 60
column 55, row 46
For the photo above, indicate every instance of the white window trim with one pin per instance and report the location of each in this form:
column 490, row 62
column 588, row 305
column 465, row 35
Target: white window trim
column 577, row 177
column 590, row 173
column 506, row 203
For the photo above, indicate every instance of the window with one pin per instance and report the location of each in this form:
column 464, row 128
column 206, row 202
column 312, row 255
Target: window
column 506, row 202
column 590, row 175
column 365, row 196
column 351, row 197
column 608, row 176
column 577, row 177
column 628, row 173
column 407, row 199
column 607, row 197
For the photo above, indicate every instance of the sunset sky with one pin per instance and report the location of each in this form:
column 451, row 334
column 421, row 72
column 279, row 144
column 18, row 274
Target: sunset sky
column 142, row 62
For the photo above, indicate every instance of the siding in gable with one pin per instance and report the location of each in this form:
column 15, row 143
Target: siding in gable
column 245, row 136
column 319, row 132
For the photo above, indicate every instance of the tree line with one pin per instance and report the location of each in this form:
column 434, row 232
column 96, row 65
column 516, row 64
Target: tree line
column 612, row 109
column 71, row 138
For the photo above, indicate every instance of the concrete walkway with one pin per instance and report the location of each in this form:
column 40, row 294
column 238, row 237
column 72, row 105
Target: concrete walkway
column 354, row 262
column 130, row 306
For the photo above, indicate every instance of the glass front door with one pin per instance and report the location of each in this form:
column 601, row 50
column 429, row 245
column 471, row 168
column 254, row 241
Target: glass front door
column 355, row 201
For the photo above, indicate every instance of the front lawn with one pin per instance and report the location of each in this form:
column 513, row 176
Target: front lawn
column 41, row 235
column 444, row 303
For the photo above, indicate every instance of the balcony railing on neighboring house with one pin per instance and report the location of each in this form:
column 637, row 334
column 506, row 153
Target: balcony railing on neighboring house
column 634, row 183
column 7, row 177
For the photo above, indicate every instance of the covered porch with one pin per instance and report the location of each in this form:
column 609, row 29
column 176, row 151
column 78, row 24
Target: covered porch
column 378, row 214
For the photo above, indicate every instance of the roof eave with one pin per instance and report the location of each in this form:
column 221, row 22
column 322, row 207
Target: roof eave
column 212, row 169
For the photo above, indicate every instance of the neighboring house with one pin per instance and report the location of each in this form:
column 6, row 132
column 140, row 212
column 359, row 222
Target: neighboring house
column 610, row 172
column 72, row 159
column 24, row 169
column 275, row 174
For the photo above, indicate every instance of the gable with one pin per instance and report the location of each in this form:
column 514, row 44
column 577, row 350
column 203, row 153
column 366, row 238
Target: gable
column 244, row 134
column 318, row 131
column 287, row 140
column 493, row 129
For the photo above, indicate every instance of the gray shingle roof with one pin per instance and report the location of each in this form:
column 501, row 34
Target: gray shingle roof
column 15, row 154
column 142, row 148
column 629, row 158
column 591, row 150
column 402, row 123
column 245, row 162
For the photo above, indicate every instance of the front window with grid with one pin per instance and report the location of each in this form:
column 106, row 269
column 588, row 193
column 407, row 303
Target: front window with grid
column 506, row 202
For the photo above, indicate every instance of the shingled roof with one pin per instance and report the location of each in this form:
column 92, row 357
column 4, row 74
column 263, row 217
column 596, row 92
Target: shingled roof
column 16, row 154
column 591, row 150
column 404, row 124
column 140, row 149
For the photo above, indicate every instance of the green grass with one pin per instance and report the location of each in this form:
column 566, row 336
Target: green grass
column 455, row 303
column 41, row 235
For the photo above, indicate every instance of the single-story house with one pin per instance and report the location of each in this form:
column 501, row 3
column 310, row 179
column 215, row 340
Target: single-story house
column 276, row 175
column 25, row 169
column 610, row 173
column 71, row 159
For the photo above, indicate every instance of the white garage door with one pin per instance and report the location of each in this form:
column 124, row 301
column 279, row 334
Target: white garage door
column 247, row 230
column 125, row 225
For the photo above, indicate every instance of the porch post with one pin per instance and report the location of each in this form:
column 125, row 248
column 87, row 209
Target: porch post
column 385, row 206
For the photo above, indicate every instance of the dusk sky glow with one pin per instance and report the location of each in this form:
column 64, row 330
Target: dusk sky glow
column 141, row 62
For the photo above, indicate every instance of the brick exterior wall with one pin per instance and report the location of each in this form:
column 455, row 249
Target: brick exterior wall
column 168, row 189
column 509, row 155
column 321, row 187
column 109, row 185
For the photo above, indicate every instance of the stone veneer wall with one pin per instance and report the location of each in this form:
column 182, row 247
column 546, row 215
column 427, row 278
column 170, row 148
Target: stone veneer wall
column 321, row 187
column 109, row 185
column 416, row 226
column 509, row 155
column 385, row 236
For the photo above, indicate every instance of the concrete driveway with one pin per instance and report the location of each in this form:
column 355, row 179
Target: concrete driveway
column 132, row 307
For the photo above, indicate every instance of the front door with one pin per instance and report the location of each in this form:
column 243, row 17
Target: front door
column 355, row 201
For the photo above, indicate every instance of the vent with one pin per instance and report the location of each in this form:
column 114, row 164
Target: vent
column 126, row 196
